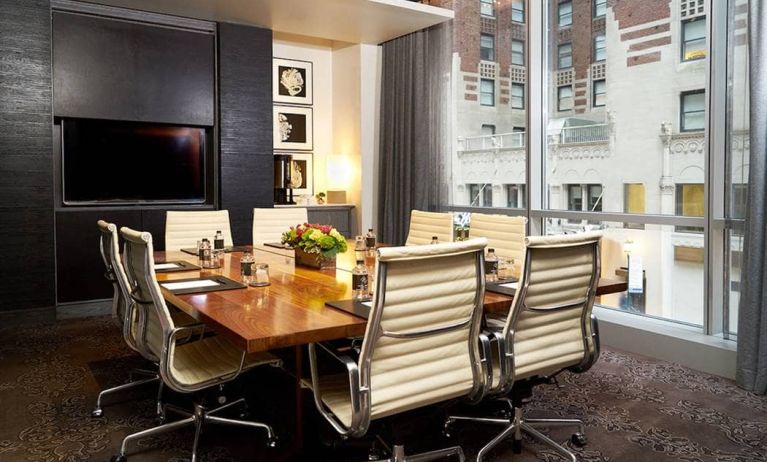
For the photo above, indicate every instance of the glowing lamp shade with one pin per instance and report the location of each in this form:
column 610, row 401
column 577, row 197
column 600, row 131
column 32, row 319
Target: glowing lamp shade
column 339, row 172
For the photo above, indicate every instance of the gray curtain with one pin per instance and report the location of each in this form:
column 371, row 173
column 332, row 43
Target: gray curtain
column 752, row 314
column 414, row 133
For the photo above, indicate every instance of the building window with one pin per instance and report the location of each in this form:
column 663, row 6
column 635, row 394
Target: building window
column 564, row 98
column 694, row 39
column 518, row 11
column 599, row 93
column 600, row 50
column 487, row 47
column 488, row 130
column 487, row 92
column 693, row 111
column 600, row 8
column 689, row 203
column 481, row 195
column 518, row 134
column 594, row 197
column 486, row 7
column 517, row 96
column 565, row 54
column 633, row 202
column 518, row 52
column 565, row 14
column 515, row 196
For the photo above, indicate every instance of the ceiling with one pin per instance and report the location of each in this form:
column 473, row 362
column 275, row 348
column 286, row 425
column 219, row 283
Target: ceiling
column 354, row 21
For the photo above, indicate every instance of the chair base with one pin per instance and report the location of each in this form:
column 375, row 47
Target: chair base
column 199, row 416
column 150, row 377
column 518, row 424
column 398, row 454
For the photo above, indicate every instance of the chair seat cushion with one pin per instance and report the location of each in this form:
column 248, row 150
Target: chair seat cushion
column 212, row 358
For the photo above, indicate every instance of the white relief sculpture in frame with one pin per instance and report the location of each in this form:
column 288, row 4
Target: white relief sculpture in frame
column 292, row 81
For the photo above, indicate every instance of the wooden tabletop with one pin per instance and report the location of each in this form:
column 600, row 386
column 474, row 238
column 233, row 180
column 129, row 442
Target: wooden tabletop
column 291, row 311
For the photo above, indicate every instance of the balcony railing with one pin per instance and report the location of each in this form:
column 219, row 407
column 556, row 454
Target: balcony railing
column 584, row 134
column 503, row 141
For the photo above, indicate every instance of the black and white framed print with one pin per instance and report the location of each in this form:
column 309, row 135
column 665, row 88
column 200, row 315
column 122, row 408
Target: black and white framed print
column 293, row 128
column 292, row 81
column 302, row 173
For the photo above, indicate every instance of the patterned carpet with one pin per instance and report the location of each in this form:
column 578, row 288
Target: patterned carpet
column 635, row 409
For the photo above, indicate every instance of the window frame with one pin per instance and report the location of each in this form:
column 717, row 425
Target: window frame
column 568, row 55
column 595, row 49
column 683, row 112
column 520, row 53
column 482, row 92
column 518, row 97
column 491, row 5
column 559, row 97
column 520, row 10
column 482, row 48
column 684, row 41
column 569, row 15
column 595, row 8
column 594, row 93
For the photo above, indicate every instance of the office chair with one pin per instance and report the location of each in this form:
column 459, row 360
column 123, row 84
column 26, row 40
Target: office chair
column 270, row 223
column 123, row 310
column 550, row 329
column 420, row 346
column 187, row 367
column 183, row 228
column 424, row 225
column 505, row 234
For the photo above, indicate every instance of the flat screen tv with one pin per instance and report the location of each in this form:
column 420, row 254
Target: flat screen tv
column 106, row 162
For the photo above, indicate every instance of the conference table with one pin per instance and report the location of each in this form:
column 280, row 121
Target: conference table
column 292, row 310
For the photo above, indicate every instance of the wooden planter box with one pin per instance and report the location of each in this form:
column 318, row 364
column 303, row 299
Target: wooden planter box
column 313, row 260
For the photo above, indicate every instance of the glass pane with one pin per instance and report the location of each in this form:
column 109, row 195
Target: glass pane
column 622, row 121
column 565, row 13
column 518, row 11
column 486, row 7
column 672, row 282
column 487, row 47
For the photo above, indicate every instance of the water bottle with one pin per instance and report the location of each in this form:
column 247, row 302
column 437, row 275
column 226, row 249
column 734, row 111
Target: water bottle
column 206, row 257
column 491, row 266
column 218, row 241
column 246, row 268
column 370, row 239
column 360, row 282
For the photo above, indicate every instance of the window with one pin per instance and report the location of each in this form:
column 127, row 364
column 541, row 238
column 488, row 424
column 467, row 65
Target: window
column 565, row 14
column 517, row 96
column 481, row 195
column 600, row 51
column 488, row 130
column 515, row 196
column 599, row 93
column 693, row 111
column 518, row 140
column 564, row 98
column 694, row 39
column 594, row 196
column 600, row 8
column 689, row 203
column 634, row 198
column 486, row 7
column 574, row 197
column 487, row 47
column 518, row 11
column 487, row 92
column 565, row 54
column 518, row 52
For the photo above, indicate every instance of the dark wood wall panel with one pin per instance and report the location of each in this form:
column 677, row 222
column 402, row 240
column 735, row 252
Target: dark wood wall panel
column 26, row 172
column 245, row 124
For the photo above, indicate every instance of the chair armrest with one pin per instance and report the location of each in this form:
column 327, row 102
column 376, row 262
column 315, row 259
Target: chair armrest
column 355, row 392
column 486, row 359
column 505, row 350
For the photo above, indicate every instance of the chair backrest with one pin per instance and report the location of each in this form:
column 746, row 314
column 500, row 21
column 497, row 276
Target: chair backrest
column 549, row 324
column 183, row 229
column 122, row 305
column 424, row 225
column 505, row 234
column 421, row 342
column 269, row 224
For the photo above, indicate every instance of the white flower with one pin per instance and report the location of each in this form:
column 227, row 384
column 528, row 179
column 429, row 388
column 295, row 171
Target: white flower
column 335, row 234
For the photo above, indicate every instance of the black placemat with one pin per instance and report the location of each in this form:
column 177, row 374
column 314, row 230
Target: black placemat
column 277, row 245
column 223, row 283
column 351, row 306
column 181, row 265
column 236, row 248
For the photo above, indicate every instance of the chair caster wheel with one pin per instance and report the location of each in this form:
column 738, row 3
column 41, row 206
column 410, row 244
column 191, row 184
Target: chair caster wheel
column 446, row 429
column 120, row 458
column 273, row 442
column 579, row 439
column 375, row 454
column 516, row 446
column 98, row 412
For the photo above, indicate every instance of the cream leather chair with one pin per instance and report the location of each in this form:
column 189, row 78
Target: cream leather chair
column 187, row 367
column 550, row 328
column 183, row 229
column 424, row 225
column 505, row 234
column 123, row 310
column 421, row 343
column 269, row 224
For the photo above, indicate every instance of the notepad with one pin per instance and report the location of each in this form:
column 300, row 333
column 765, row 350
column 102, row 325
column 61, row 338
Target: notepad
column 164, row 266
column 368, row 304
column 190, row 284
column 510, row 285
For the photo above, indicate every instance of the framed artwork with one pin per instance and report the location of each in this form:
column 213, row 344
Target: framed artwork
column 292, row 81
column 293, row 128
column 302, row 173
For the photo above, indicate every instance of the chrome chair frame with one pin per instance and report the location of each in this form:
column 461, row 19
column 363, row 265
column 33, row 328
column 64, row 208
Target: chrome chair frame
column 200, row 414
column 516, row 424
column 359, row 373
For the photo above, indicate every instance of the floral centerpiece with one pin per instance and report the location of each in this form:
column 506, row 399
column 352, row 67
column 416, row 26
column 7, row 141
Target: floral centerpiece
column 315, row 245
